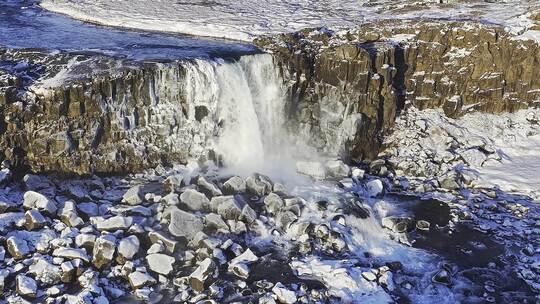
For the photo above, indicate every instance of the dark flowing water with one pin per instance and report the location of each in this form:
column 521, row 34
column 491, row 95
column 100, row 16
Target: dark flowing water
column 23, row 24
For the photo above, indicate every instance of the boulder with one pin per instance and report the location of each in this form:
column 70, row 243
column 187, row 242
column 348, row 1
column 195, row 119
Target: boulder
column 128, row 248
column 26, row 286
column 37, row 201
column 133, row 196
column 71, row 253
column 208, row 188
column 34, row 220
column 258, row 184
column 113, row 223
column 194, row 200
column 198, row 278
column 169, row 243
column 140, row 279
column 45, row 272
column 160, row 263
column 104, row 250
column 18, row 248
column 374, row 188
column 234, row 185
column 184, row 224
column 283, row 294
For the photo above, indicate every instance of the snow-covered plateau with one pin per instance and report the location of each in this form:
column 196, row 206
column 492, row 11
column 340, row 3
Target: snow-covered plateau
column 245, row 20
column 387, row 152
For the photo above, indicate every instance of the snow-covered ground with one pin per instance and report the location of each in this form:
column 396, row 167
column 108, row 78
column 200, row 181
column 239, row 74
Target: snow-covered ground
column 244, row 20
column 491, row 150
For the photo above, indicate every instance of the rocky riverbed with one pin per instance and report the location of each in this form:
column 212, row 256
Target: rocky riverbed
column 190, row 234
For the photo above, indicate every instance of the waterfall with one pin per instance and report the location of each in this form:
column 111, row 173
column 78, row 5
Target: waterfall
column 246, row 99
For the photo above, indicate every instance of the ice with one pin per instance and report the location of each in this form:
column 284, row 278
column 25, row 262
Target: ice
column 244, row 20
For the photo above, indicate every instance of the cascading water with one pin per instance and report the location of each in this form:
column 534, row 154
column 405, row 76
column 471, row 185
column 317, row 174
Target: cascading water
column 247, row 101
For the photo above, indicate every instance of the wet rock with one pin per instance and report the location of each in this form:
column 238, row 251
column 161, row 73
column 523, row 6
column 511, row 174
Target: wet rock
column 133, row 195
column 26, row 286
column 248, row 215
column 171, row 199
column 397, row 224
column 156, row 236
column 258, row 184
column 374, row 188
column 128, row 248
column 37, row 201
column 160, row 263
column 423, row 225
column 45, row 272
column 234, row 185
column 34, row 220
column 273, row 203
column 369, row 276
column 337, row 169
column 199, row 277
column 104, row 249
column 315, row 170
column 68, row 272
column 215, row 221
column 72, row 254
column 85, row 240
column 113, row 223
column 208, row 188
column 174, row 183
column 229, row 209
column 17, row 247
column 68, row 215
column 283, row 294
column 140, row 279
column 183, row 224
column 442, row 277
column 4, row 273
column 194, row 200
column 357, row 174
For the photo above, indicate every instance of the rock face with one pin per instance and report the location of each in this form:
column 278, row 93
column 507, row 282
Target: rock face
column 347, row 88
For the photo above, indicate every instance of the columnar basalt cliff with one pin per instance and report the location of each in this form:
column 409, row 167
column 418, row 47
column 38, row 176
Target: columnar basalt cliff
column 91, row 113
column 347, row 87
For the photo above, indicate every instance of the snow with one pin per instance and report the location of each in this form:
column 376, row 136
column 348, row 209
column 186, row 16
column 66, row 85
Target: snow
column 244, row 20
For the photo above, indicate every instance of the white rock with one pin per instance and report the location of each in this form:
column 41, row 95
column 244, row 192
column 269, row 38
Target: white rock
column 45, row 272
column 34, row 220
column 283, row 294
column 140, row 279
column 160, row 263
column 113, row 223
column 194, row 200
column 358, row 174
column 201, row 274
column 26, row 286
column 17, row 247
column 234, row 185
column 71, row 253
column 104, row 249
column 183, row 224
column 374, row 188
column 128, row 247
column 133, row 196
column 34, row 200
column 474, row 157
